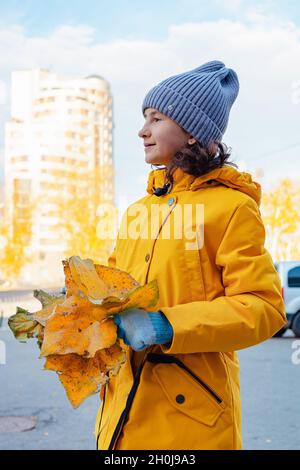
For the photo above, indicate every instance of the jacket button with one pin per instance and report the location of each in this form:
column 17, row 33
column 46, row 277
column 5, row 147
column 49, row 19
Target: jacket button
column 171, row 201
column 180, row 399
column 147, row 257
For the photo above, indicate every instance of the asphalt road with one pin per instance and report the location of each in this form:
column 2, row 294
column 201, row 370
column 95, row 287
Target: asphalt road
column 270, row 385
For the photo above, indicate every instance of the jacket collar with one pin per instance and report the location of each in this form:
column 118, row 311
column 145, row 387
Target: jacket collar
column 226, row 176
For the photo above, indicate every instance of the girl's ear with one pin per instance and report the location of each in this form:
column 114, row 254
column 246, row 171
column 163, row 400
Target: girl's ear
column 191, row 140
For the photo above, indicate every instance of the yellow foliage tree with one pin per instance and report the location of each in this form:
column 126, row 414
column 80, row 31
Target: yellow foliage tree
column 85, row 222
column 16, row 233
column 281, row 214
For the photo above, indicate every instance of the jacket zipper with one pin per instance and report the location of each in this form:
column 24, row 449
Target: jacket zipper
column 168, row 359
column 129, row 401
column 157, row 235
column 99, row 427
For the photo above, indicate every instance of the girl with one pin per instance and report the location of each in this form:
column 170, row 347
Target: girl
column 179, row 387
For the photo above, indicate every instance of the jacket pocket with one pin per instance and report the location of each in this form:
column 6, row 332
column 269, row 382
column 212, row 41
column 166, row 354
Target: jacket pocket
column 188, row 393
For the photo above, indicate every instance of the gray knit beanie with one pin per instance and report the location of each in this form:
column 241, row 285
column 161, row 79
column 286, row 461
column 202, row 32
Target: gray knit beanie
column 198, row 100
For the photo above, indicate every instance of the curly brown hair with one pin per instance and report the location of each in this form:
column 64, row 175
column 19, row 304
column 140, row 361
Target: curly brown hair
column 197, row 159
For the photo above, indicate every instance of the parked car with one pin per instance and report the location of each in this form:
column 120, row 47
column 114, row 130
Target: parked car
column 289, row 273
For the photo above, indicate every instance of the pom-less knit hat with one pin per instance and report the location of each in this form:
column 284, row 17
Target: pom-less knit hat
column 198, row 100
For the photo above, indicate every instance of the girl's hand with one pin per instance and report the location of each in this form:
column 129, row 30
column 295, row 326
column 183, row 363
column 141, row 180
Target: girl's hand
column 140, row 329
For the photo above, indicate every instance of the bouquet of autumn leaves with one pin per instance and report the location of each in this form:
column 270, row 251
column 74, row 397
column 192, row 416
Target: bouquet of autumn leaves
column 76, row 332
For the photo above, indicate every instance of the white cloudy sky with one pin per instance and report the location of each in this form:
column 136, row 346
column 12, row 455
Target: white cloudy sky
column 260, row 40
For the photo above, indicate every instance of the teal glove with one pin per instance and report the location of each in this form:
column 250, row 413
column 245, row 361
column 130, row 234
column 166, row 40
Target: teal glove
column 140, row 329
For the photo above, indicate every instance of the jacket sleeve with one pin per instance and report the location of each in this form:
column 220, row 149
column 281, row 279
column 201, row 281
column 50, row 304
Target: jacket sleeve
column 252, row 309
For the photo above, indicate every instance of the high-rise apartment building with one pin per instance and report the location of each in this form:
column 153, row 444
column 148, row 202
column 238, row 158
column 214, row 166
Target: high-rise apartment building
column 60, row 130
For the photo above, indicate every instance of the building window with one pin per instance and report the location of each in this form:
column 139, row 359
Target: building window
column 22, row 185
column 19, row 158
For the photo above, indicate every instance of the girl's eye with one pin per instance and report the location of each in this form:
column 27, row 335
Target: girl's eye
column 156, row 119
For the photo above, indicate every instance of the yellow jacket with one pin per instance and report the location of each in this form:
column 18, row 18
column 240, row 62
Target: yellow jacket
column 220, row 296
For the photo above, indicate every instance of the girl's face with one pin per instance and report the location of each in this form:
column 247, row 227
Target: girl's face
column 163, row 137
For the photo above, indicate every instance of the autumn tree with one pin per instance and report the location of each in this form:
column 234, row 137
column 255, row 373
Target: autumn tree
column 281, row 214
column 16, row 233
column 85, row 221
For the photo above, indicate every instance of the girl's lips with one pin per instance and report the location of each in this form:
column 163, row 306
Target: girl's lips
column 148, row 146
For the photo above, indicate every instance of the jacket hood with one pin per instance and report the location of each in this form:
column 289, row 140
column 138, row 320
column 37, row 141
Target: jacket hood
column 226, row 176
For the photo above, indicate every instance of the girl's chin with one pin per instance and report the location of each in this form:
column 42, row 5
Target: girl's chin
column 154, row 161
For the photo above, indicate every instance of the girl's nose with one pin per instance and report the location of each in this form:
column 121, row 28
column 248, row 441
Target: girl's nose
column 144, row 132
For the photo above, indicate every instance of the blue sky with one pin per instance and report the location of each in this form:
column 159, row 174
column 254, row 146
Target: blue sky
column 130, row 18
column 136, row 44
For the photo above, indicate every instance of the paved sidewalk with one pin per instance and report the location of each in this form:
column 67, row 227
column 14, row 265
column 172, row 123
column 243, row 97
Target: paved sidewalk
column 270, row 385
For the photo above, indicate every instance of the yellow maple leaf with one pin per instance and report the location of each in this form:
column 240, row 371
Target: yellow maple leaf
column 76, row 331
column 77, row 326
